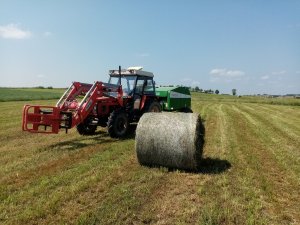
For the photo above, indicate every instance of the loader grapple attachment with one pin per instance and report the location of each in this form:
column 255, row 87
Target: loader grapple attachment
column 41, row 119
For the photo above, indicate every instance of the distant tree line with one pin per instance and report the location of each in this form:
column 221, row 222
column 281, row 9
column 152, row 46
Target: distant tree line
column 42, row 87
column 208, row 91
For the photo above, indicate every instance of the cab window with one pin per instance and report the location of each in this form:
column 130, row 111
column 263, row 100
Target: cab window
column 139, row 86
column 149, row 87
column 114, row 80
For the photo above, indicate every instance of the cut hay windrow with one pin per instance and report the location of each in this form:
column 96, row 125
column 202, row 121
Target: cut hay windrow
column 172, row 140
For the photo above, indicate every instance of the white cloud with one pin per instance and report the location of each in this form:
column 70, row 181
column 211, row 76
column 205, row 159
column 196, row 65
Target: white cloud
column 227, row 73
column 266, row 77
column 282, row 72
column 13, row 31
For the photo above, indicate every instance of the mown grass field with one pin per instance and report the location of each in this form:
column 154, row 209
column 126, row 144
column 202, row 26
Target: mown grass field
column 26, row 94
column 250, row 172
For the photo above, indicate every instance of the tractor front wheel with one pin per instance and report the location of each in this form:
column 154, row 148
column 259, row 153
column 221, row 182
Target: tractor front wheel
column 85, row 128
column 118, row 124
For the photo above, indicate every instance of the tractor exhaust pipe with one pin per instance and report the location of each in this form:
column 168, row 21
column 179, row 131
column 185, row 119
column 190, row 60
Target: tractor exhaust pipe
column 120, row 74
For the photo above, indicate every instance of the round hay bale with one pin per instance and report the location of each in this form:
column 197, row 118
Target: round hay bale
column 172, row 140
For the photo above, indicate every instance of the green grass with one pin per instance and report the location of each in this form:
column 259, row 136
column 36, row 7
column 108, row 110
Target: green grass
column 250, row 174
column 28, row 94
column 247, row 99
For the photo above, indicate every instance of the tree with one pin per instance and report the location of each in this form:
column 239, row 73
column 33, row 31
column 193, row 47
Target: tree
column 197, row 88
column 200, row 90
column 217, row 91
column 233, row 91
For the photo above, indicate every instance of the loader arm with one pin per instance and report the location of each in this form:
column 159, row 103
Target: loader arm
column 68, row 112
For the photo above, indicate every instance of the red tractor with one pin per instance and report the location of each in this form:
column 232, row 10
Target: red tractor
column 123, row 100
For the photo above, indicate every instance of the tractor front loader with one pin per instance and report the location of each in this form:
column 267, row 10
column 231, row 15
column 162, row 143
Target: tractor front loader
column 128, row 94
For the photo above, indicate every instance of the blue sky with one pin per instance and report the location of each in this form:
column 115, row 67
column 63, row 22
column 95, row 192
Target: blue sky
column 253, row 46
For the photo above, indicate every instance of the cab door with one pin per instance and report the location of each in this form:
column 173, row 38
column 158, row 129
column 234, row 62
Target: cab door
column 138, row 93
column 149, row 88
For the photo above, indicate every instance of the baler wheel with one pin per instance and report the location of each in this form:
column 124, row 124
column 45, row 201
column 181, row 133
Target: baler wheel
column 186, row 110
column 152, row 106
column 118, row 124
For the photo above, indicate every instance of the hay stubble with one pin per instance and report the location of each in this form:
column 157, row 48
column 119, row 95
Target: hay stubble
column 85, row 180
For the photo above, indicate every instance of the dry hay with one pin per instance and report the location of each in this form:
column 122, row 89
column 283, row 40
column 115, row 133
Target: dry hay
column 172, row 140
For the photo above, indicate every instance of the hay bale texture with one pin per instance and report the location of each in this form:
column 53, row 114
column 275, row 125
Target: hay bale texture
column 172, row 140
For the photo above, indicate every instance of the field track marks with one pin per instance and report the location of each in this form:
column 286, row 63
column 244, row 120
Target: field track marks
column 277, row 189
column 285, row 151
column 280, row 131
column 285, row 143
column 291, row 126
column 92, row 203
column 29, row 153
column 230, row 196
column 214, row 131
column 37, row 150
column 222, row 129
column 176, row 200
column 284, row 111
column 49, row 166
column 49, row 191
column 146, row 195
column 202, row 108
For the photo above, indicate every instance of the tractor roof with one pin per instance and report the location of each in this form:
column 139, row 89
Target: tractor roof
column 137, row 71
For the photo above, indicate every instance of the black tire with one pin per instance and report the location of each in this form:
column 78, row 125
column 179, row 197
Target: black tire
column 85, row 128
column 152, row 106
column 118, row 124
column 186, row 110
column 103, row 122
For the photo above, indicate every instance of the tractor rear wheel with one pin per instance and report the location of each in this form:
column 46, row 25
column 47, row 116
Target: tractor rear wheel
column 85, row 128
column 152, row 106
column 118, row 124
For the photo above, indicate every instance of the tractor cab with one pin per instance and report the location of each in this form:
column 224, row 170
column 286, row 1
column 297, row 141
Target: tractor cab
column 134, row 81
column 138, row 89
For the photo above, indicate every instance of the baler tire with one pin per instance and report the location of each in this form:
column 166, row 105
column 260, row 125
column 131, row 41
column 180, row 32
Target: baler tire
column 152, row 106
column 86, row 129
column 186, row 110
column 118, row 124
